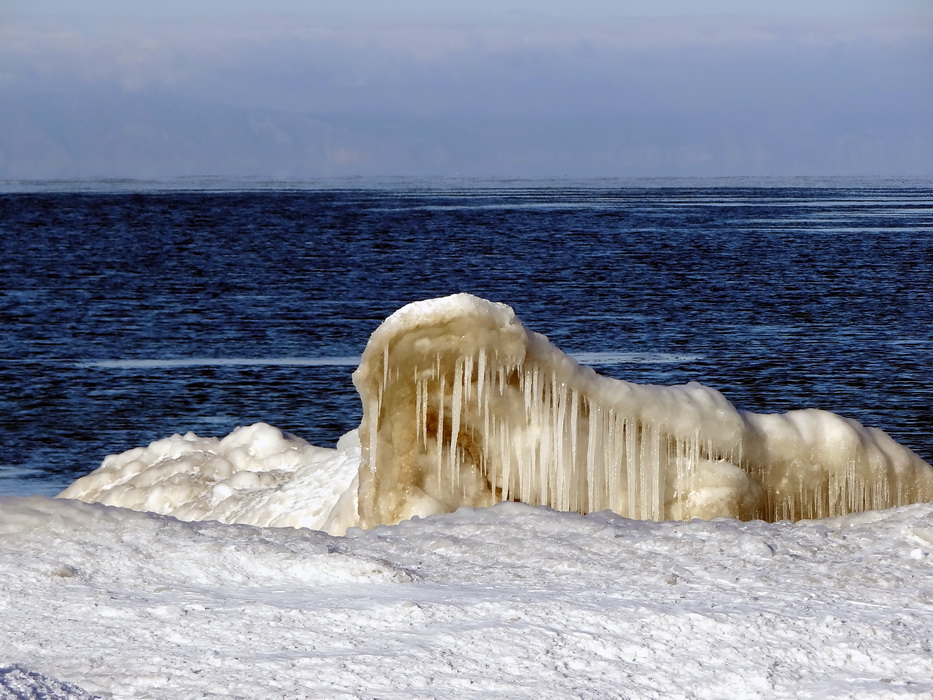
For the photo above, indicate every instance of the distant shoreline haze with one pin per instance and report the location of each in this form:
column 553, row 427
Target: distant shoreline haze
column 554, row 90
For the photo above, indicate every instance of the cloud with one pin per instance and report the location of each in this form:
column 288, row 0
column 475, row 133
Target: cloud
column 514, row 96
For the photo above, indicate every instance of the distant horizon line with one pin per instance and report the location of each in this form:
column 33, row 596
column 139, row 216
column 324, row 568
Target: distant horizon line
column 266, row 183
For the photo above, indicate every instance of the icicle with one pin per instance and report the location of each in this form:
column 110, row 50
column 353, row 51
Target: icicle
column 373, row 436
column 613, row 484
column 455, row 400
column 505, row 449
column 559, row 473
column 656, row 508
column 467, row 378
column 481, row 380
column 574, row 502
column 385, row 367
column 488, row 435
column 419, row 407
column 593, row 476
column 632, row 466
column 439, row 436
column 540, row 453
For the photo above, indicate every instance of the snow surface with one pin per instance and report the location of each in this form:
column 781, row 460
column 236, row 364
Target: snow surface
column 512, row 601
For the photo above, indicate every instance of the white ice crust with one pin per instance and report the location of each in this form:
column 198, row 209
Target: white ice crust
column 463, row 406
column 512, row 601
column 257, row 475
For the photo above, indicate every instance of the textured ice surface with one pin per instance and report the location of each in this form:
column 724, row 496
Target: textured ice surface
column 19, row 683
column 257, row 475
column 464, row 406
column 512, row 601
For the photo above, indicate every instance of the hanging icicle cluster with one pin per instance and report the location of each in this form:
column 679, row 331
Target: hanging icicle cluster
column 465, row 407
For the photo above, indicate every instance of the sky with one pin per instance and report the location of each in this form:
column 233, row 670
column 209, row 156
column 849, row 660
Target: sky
column 291, row 89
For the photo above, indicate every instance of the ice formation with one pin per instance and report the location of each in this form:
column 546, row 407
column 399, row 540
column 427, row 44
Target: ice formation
column 257, row 475
column 462, row 406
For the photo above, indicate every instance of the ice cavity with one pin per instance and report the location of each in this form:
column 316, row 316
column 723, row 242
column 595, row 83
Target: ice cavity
column 257, row 475
column 463, row 406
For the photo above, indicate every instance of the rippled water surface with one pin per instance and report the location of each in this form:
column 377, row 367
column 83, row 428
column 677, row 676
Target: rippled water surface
column 129, row 316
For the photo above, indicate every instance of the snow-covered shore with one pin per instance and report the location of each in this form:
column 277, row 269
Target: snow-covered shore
column 508, row 601
column 216, row 568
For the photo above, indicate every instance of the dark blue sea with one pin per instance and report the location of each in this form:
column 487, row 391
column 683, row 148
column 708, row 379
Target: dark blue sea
column 131, row 311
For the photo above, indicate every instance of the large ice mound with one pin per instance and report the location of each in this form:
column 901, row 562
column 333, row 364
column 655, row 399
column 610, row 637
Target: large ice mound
column 463, row 406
